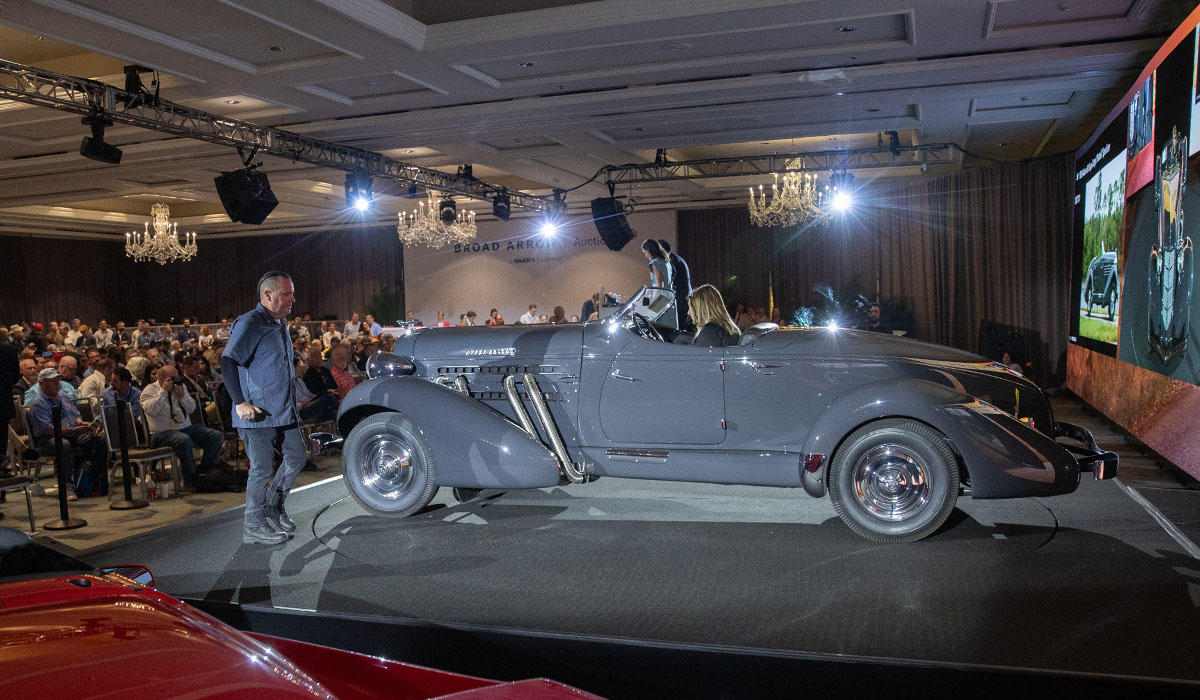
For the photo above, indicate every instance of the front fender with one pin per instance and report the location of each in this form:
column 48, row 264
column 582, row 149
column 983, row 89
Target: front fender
column 1004, row 457
column 473, row 445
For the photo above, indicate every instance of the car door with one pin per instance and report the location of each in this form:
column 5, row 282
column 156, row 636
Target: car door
column 658, row 393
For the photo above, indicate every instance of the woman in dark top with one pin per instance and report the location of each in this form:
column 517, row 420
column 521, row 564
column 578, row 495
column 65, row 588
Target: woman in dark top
column 707, row 309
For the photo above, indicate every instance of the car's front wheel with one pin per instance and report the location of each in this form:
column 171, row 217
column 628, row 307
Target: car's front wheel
column 894, row 480
column 387, row 465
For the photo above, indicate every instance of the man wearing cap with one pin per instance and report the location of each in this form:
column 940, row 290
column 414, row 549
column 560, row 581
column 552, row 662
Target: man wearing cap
column 34, row 391
column 258, row 369
column 78, row 437
column 38, row 338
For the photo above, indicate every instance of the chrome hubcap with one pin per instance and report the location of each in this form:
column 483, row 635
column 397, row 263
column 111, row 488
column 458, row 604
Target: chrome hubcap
column 891, row 482
column 386, row 466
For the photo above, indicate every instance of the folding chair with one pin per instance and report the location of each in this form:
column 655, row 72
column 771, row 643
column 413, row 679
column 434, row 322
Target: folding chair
column 141, row 453
column 20, row 483
column 31, row 439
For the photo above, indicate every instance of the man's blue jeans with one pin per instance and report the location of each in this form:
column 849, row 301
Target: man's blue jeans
column 263, row 445
column 184, row 440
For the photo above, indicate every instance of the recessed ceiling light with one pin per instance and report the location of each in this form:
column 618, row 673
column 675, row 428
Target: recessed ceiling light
column 640, row 128
column 847, row 28
column 41, row 38
column 677, row 47
column 1002, row 143
column 872, row 109
column 275, row 48
column 233, row 102
column 526, row 64
column 839, row 94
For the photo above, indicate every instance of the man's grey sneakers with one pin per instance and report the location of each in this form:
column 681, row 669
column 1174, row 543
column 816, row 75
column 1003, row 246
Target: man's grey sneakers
column 278, row 518
column 263, row 534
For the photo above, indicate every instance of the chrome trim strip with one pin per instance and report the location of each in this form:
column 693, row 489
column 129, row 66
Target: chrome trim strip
column 644, row 452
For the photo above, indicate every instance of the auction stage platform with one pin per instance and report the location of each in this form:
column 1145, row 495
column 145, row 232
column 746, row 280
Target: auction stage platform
column 712, row 589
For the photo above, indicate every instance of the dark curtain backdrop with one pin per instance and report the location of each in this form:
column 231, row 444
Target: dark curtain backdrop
column 335, row 272
column 989, row 244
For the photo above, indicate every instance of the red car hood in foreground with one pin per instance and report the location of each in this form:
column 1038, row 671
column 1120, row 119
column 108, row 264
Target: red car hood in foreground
column 90, row 636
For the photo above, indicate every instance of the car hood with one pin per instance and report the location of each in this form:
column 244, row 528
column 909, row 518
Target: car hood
column 486, row 345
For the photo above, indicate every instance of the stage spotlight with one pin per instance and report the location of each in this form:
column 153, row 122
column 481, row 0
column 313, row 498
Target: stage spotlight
column 94, row 147
column 549, row 229
column 502, row 206
column 842, row 201
column 448, row 211
column 358, row 190
column 246, row 195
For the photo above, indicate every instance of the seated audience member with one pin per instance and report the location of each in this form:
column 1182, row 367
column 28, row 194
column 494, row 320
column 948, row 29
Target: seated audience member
column 386, row 342
column 143, row 336
column 71, row 336
column 195, row 379
column 222, row 333
column 560, row 315
column 68, row 369
column 874, row 323
column 574, row 318
column 122, row 388
column 86, row 339
column 77, row 436
column 322, row 407
column 1007, row 361
column 339, row 368
column 352, row 327
column 122, row 336
column 462, row 320
column 590, row 307
column 743, row 318
column 167, row 406
column 56, row 335
column 491, row 321
column 329, row 333
column 777, row 316
column 499, row 320
column 186, row 332
column 707, row 309
column 441, row 320
column 543, row 319
column 360, row 358
column 471, row 316
column 93, row 387
column 29, row 371
column 529, row 317
column 37, row 337
column 16, row 334
column 206, row 337
column 103, row 335
column 167, row 333
column 93, row 356
column 364, row 331
column 317, row 377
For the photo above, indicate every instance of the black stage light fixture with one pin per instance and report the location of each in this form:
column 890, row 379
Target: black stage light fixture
column 842, row 181
column 447, row 210
column 246, row 195
column 358, row 190
column 93, row 146
column 502, row 206
column 609, row 217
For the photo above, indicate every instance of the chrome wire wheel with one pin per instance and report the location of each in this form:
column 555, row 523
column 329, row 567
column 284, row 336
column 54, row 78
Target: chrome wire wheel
column 385, row 466
column 891, row 482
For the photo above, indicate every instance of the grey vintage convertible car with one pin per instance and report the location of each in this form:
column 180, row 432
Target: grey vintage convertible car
column 894, row 430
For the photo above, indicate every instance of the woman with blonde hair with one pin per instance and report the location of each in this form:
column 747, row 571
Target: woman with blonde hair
column 707, row 309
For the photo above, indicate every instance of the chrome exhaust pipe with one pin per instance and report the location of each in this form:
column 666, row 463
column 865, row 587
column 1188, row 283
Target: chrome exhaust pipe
column 319, row 443
column 514, row 401
column 568, row 468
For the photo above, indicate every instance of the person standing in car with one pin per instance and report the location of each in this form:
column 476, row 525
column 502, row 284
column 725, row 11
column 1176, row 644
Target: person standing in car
column 259, row 371
column 681, row 283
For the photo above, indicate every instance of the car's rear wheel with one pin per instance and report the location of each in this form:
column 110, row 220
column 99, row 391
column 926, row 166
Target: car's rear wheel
column 894, row 480
column 387, row 465
column 1111, row 302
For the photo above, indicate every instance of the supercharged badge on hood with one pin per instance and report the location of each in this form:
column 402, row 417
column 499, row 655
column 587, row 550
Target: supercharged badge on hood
column 491, row 351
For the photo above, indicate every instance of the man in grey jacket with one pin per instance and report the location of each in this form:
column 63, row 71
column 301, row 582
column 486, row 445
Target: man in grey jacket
column 258, row 370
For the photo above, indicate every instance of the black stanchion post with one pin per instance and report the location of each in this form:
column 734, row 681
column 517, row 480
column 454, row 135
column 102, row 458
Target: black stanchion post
column 65, row 521
column 126, row 477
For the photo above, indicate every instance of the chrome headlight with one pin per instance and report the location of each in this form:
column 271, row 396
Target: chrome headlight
column 385, row 364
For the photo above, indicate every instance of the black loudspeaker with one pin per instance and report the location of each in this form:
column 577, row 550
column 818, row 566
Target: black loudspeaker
column 995, row 339
column 98, row 150
column 246, row 196
column 611, row 223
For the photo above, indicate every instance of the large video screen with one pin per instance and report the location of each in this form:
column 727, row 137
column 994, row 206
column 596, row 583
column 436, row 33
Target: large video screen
column 1099, row 213
column 1137, row 213
column 1159, row 321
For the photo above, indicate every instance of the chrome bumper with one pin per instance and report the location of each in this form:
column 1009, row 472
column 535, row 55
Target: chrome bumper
column 1101, row 463
column 323, row 442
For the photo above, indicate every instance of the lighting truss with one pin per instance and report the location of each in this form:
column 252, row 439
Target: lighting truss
column 43, row 88
column 879, row 157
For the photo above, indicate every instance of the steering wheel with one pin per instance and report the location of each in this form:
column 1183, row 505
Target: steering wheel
column 646, row 329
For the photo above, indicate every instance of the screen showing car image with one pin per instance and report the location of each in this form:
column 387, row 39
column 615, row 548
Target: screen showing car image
column 1099, row 215
column 1158, row 316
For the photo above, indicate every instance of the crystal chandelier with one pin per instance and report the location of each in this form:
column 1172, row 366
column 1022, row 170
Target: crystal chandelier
column 436, row 222
column 796, row 200
column 161, row 246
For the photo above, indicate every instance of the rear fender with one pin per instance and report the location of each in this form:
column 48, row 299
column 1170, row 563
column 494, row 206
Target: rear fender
column 1005, row 458
column 473, row 445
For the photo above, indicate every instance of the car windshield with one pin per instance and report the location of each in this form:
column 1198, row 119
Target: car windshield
column 654, row 304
